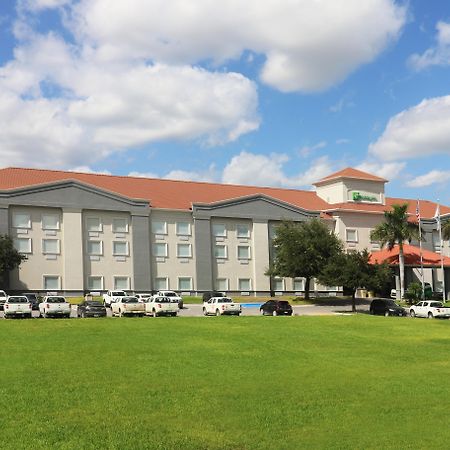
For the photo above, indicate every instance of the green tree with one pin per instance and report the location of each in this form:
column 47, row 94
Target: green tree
column 395, row 230
column 414, row 293
column 10, row 258
column 302, row 250
column 353, row 270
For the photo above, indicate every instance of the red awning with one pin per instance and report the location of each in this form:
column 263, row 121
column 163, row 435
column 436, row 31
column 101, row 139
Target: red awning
column 412, row 257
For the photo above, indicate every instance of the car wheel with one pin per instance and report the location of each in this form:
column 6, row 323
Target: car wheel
column 262, row 312
column 217, row 313
column 386, row 314
column 154, row 313
column 120, row 313
column 430, row 315
column 412, row 313
column 274, row 313
column 174, row 314
column 204, row 312
column 371, row 312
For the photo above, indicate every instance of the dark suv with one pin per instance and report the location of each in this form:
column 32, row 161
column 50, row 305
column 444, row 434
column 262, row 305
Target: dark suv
column 386, row 307
column 208, row 295
column 33, row 299
column 276, row 308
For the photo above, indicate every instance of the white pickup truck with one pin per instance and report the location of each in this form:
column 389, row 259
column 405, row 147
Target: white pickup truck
column 173, row 296
column 159, row 305
column 113, row 296
column 127, row 306
column 3, row 298
column 221, row 306
column 17, row 306
column 54, row 306
column 431, row 309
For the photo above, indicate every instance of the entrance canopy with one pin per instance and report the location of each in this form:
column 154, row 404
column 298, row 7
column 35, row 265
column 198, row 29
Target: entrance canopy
column 412, row 257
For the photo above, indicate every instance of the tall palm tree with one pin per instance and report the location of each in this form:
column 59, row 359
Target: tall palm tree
column 395, row 230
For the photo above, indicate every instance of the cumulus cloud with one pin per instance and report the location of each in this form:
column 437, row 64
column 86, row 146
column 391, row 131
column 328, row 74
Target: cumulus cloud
column 389, row 171
column 269, row 170
column 432, row 177
column 422, row 130
column 439, row 55
column 306, row 150
column 308, row 46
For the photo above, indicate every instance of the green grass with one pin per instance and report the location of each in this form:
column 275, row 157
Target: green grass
column 340, row 382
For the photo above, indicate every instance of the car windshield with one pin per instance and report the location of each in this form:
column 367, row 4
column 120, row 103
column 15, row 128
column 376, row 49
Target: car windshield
column 170, row 294
column 17, row 300
column 56, row 300
column 93, row 304
column 224, row 300
column 118, row 294
column 129, row 300
column 391, row 303
column 163, row 300
column 283, row 303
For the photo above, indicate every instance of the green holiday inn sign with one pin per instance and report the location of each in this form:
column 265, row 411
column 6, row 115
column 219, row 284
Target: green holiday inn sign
column 358, row 197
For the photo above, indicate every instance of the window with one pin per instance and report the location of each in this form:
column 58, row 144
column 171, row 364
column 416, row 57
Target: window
column 120, row 225
column 160, row 249
column 51, row 282
column 183, row 229
column 278, row 284
column 244, row 284
column 220, row 251
column 50, row 246
column 159, row 227
column 242, row 230
column 161, row 284
column 95, row 248
column 121, row 283
column 299, row 284
column 23, row 245
column 243, row 252
column 436, row 241
column 95, row 283
column 351, row 235
column 50, row 222
column 185, row 283
column 222, row 284
column 184, row 250
column 21, row 220
column 120, row 248
column 93, row 224
column 219, row 230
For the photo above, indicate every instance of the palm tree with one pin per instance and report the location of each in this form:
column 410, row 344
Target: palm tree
column 395, row 230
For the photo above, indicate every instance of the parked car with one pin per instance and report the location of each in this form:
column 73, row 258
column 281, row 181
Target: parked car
column 54, row 306
column 386, row 307
column 3, row 298
column 33, row 299
column 128, row 306
column 174, row 297
column 114, row 296
column 276, row 308
column 431, row 309
column 221, row 306
column 143, row 297
column 17, row 306
column 91, row 308
column 161, row 306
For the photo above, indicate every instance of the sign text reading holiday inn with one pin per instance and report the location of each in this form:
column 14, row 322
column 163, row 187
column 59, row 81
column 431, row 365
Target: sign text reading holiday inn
column 358, row 197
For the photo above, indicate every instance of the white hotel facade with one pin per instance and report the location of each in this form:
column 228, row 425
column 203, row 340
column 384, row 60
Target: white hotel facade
column 88, row 232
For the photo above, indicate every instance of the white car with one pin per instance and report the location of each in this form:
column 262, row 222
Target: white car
column 174, row 297
column 142, row 298
column 430, row 309
column 221, row 306
column 128, row 306
column 3, row 298
column 54, row 306
column 161, row 306
column 17, row 306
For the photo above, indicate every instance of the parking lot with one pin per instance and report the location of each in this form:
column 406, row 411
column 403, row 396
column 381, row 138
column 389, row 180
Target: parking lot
column 191, row 310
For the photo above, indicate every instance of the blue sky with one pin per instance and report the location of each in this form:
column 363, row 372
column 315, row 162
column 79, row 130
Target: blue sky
column 278, row 93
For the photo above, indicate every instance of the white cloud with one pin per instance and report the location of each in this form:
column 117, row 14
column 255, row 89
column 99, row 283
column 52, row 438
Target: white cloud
column 209, row 175
column 432, row 177
column 306, row 150
column 308, row 46
column 87, row 169
column 438, row 55
column 268, row 170
column 143, row 175
column 422, row 130
column 389, row 171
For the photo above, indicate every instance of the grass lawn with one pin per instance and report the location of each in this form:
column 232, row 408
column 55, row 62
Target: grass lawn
column 343, row 382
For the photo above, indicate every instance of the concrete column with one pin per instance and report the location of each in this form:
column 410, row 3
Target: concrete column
column 203, row 254
column 72, row 247
column 142, row 275
column 261, row 256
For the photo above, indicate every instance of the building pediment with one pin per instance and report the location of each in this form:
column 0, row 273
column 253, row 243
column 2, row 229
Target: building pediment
column 71, row 194
column 255, row 207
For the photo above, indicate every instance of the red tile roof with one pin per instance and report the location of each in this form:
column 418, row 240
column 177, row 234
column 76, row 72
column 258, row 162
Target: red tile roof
column 349, row 172
column 412, row 257
column 171, row 194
